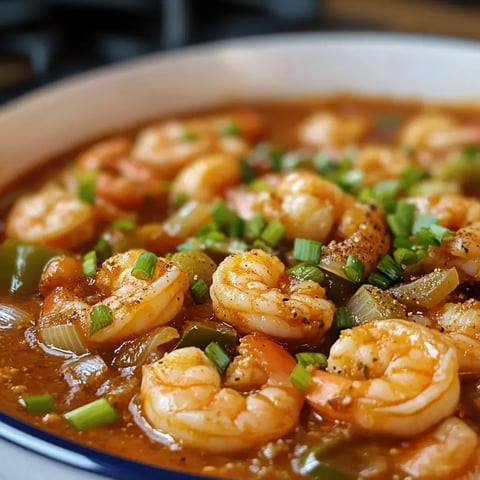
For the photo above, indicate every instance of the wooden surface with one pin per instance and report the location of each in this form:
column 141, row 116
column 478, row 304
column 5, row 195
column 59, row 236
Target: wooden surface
column 421, row 16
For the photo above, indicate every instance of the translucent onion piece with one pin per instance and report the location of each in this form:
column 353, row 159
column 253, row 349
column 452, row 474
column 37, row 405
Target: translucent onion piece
column 196, row 264
column 134, row 353
column 370, row 303
column 12, row 316
column 429, row 290
column 63, row 337
column 186, row 220
column 84, row 371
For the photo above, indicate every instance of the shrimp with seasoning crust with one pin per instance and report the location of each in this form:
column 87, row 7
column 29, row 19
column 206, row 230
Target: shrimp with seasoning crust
column 252, row 292
column 182, row 396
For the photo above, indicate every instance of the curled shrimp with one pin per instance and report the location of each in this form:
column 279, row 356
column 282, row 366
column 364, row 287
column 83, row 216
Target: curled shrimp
column 136, row 305
column 461, row 322
column 53, row 217
column 306, row 205
column 120, row 179
column 171, row 145
column 252, row 292
column 392, row 377
column 208, row 177
column 327, row 129
column 182, row 396
column 361, row 232
column 379, row 162
column 443, row 453
column 439, row 131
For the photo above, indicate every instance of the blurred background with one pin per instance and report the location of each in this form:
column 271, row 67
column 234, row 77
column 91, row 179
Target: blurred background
column 44, row 40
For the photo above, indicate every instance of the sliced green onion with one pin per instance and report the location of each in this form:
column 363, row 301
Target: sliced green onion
column 43, row 403
column 424, row 221
column 312, row 358
column 199, row 291
column 92, row 415
column 307, row 250
column 247, row 172
column 412, row 176
column 124, row 224
column 271, row 152
column 300, row 377
column 89, row 265
column 188, row 136
column 254, row 226
column 403, row 242
column 354, row 269
column 259, row 243
column 229, row 129
column 379, row 280
column 433, row 235
column 305, row 271
column 186, row 246
column 385, row 193
column 402, row 220
column 388, row 267
column 218, row 356
column 224, row 217
column 100, row 317
column 236, row 228
column 273, row 233
column 145, row 265
column 343, row 319
column 103, row 249
column 259, row 185
column 404, row 256
column 87, row 186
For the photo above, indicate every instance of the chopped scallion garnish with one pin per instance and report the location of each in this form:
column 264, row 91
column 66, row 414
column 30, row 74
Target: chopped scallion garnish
column 401, row 221
column 306, row 271
column 312, row 358
column 273, row 233
column 124, row 224
column 307, row 250
column 87, row 186
column 199, row 291
column 424, row 221
column 145, row 265
column 300, row 377
column 272, row 153
column 380, row 280
column 100, row 317
column 433, row 235
column 246, row 171
column 343, row 319
column 42, row 403
column 403, row 242
column 92, row 415
column 103, row 249
column 254, row 226
column 89, row 264
column 354, row 269
column 229, row 129
column 218, row 356
column 411, row 176
column 390, row 268
column 404, row 256
column 225, row 218
column 188, row 136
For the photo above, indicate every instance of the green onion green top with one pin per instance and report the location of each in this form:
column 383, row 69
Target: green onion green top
column 354, row 269
column 229, row 129
column 199, row 291
column 92, row 415
column 100, row 317
column 89, row 264
column 218, row 356
column 42, row 403
column 87, row 186
column 145, row 265
column 305, row 271
column 300, row 377
column 307, row 250
column 311, row 358
column 124, row 224
column 273, row 233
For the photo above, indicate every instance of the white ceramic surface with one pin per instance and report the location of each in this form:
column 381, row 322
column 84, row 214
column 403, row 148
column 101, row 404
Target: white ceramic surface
column 61, row 116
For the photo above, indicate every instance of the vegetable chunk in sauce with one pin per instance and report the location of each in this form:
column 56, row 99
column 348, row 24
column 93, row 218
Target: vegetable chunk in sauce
column 274, row 290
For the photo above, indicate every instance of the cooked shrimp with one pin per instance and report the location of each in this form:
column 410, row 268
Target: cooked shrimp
column 252, row 292
column 361, row 232
column 327, row 129
column 136, row 305
column 307, row 205
column 208, row 177
column 439, row 131
column 379, row 163
column 453, row 210
column 53, row 217
column 182, row 396
column 392, row 377
column 461, row 322
column 443, row 453
column 121, row 180
column 171, row 145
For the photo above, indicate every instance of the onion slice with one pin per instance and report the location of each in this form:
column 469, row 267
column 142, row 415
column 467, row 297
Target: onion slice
column 12, row 316
column 63, row 337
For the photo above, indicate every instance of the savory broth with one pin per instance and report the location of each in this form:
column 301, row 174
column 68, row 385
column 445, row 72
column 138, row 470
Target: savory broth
column 128, row 194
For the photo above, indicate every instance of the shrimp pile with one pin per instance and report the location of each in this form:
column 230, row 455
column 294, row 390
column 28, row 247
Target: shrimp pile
column 250, row 294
